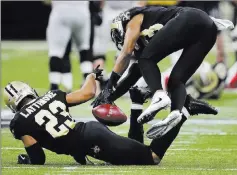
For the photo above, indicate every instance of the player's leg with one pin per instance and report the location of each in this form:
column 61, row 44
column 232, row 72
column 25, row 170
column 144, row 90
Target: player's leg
column 83, row 35
column 215, row 12
column 101, row 44
column 159, row 145
column 139, row 93
column 188, row 63
column 57, row 43
column 179, row 33
column 231, row 80
column 103, row 144
column 66, row 69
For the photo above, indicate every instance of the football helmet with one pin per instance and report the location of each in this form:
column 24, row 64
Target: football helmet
column 117, row 29
column 208, row 81
column 15, row 92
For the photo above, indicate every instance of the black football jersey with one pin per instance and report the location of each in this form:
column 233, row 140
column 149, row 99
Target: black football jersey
column 206, row 6
column 48, row 121
column 155, row 17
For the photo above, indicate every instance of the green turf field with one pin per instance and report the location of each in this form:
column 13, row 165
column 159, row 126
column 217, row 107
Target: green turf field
column 205, row 145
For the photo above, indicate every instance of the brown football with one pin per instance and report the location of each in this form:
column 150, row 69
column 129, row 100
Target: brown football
column 109, row 114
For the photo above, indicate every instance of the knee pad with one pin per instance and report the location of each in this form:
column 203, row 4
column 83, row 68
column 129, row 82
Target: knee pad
column 55, row 64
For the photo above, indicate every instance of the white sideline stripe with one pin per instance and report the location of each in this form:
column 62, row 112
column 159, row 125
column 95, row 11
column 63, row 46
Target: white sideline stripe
column 80, row 169
column 171, row 149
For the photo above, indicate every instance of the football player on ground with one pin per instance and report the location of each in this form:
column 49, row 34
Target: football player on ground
column 152, row 33
column 44, row 122
column 69, row 21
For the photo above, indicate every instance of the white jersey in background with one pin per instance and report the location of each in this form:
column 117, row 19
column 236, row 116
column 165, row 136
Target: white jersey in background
column 102, row 40
column 68, row 19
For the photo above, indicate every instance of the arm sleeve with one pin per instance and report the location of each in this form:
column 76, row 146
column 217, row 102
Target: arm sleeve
column 36, row 154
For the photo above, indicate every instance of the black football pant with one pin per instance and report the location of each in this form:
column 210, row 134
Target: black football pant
column 101, row 143
column 191, row 30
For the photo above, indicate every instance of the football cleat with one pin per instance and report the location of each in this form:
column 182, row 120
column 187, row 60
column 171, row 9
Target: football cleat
column 195, row 107
column 161, row 128
column 160, row 101
column 139, row 94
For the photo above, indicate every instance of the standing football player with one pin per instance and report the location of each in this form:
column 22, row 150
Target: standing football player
column 68, row 20
column 152, row 33
column 44, row 122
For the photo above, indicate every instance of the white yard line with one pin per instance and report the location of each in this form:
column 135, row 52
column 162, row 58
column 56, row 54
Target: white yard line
column 80, row 169
column 171, row 149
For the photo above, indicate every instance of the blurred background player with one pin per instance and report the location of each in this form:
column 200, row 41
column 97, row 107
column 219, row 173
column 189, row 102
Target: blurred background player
column 231, row 81
column 68, row 21
column 102, row 41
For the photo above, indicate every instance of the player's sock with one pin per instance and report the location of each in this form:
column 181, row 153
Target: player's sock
column 178, row 96
column 86, row 65
column 55, row 67
column 53, row 86
column 136, row 129
column 67, row 81
column 66, row 70
column 86, row 68
column 160, row 145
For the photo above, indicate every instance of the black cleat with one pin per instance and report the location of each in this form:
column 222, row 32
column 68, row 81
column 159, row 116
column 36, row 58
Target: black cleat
column 195, row 106
column 140, row 94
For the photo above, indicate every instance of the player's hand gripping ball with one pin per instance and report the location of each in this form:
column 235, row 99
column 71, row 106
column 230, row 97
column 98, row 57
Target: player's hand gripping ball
column 109, row 114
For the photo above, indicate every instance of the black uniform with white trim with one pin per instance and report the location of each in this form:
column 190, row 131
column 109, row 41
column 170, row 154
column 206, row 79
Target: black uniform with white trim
column 164, row 31
column 48, row 121
column 155, row 17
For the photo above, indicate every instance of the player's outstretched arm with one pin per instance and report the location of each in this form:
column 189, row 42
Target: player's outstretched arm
column 84, row 94
column 122, row 62
column 131, row 36
column 34, row 151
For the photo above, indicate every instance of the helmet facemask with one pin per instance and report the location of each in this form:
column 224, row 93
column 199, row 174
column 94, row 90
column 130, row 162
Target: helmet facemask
column 15, row 92
column 117, row 29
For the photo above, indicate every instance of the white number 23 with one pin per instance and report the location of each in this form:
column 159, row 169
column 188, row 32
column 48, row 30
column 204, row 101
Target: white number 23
column 53, row 121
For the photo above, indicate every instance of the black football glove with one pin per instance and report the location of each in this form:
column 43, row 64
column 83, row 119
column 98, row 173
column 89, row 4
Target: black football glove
column 98, row 73
column 23, row 159
column 103, row 98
